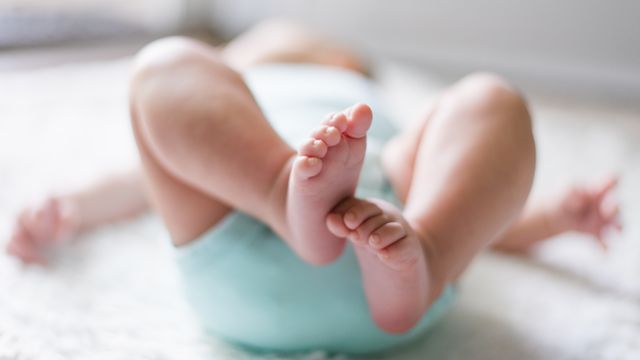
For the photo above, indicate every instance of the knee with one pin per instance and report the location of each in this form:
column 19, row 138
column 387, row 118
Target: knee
column 491, row 99
column 165, row 56
column 169, row 73
column 170, row 68
column 161, row 57
column 489, row 93
column 158, row 65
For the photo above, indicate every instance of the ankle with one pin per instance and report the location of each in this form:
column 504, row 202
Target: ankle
column 274, row 212
column 437, row 274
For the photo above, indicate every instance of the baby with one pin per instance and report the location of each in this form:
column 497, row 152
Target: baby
column 352, row 241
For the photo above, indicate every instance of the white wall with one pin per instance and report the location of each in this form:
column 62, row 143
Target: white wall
column 151, row 15
column 584, row 47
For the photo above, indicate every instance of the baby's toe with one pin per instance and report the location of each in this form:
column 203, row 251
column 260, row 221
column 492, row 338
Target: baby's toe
column 360, row 212
column 330, row 135
column 386, row 235
column 359, row 120
column 336, row 225
column 337, row 120
column 306, row 167
column 364, row 231
column 400, row 255
column 313, row 148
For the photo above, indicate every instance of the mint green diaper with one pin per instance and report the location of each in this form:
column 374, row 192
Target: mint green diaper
column 244, row 283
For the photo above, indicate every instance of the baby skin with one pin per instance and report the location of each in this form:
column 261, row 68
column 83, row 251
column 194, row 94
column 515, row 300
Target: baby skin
column 463, row 174
column 390, row 253
column 396, row 259
column 324, row 172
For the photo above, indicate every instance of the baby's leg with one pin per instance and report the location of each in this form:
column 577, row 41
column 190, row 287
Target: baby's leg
column 473, row 170
column 205, row 144
column 207, row 147
column 469, row 172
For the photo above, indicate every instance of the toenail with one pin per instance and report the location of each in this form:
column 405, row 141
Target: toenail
column 317, row 142
column 375, row 240
column 350, row 111
column 350, row 216
column 313, row 161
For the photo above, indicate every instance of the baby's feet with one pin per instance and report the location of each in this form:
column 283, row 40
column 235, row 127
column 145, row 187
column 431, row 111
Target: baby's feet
column 393, row 260
column 325, row 171
column 40, row 227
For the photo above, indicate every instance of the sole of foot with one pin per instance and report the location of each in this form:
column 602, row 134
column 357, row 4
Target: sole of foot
column 394, row 265
column 325, row 171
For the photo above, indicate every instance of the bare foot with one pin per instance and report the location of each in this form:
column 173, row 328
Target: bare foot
column 393, row 261
column 325, row 171
column 40, row 227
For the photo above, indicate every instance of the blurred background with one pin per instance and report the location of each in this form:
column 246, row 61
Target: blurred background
column 583, row 48
column 64, row 69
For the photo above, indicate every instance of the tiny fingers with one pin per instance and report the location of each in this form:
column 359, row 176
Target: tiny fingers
column 22, row 248
column 601, row 190
column 600, row 239
column 609, row 213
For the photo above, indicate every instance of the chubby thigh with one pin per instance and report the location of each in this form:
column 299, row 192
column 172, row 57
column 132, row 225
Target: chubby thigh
column 247, row 287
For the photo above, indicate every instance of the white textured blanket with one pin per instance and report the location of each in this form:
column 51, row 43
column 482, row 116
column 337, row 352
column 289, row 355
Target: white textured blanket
column 115, row 294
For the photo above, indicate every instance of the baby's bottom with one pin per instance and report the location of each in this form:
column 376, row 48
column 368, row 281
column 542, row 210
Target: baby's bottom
column 206, row 148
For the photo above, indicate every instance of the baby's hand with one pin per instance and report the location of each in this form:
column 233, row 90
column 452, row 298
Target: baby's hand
column 38, row 227
column 590, row 209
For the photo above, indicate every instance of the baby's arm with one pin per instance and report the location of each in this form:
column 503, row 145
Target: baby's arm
column 58, row 218
column 586, row 209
